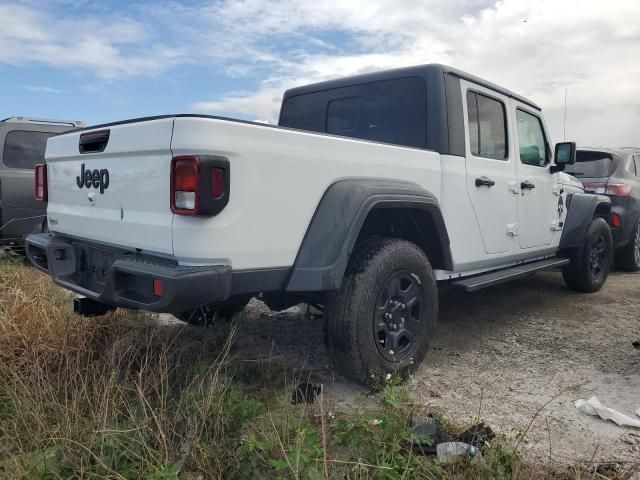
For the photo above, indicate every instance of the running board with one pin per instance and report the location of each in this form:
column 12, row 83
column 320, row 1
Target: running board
column 494, row 278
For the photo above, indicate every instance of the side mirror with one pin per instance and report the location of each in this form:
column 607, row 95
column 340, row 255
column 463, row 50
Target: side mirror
column 565, row 154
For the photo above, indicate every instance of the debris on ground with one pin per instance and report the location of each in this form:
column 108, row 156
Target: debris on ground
column 594, row 407
column 429, row 434
column 450, row 452
column 636, row 344
column 305, row 393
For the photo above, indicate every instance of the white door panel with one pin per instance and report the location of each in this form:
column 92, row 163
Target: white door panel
column 491, row 174
column 537, row 202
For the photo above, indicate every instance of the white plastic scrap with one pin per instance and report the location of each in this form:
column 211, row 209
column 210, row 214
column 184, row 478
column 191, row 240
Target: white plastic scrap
column 449, row 452
column 594, row 407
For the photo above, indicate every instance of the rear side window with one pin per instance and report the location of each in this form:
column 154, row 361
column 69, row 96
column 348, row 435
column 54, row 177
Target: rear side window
column 23, row 149
column 487, row 126
column 390, row 111
column 531, row 140
column 590, row 164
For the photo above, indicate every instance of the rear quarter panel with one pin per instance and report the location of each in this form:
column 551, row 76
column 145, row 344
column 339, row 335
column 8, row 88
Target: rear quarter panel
column 278, row 177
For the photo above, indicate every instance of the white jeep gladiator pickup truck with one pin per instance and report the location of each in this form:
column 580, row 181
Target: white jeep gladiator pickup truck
column 371, row 192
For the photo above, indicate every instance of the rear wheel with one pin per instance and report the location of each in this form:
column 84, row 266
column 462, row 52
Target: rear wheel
column 590, row 263
column 628, row 257
column 204, row 316
column 382, row 318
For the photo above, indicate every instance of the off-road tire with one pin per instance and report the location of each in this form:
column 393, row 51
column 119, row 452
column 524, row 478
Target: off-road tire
column 628, row 257
column 591, row 262
column 208, row 314
column 350, row 329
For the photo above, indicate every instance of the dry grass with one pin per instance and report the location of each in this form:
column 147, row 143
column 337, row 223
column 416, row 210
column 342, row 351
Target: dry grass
column 124, row 397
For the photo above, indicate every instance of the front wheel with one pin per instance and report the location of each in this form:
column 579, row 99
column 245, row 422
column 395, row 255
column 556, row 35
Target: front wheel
column 590, row 263
column 382, row 319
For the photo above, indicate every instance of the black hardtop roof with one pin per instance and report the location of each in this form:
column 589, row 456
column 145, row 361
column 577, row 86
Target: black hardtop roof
column 418, row 70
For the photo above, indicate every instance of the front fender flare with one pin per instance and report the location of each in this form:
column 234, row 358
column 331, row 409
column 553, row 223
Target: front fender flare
column 581, row 208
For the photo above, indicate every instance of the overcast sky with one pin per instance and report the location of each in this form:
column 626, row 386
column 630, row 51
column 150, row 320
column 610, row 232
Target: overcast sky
column 101, row 61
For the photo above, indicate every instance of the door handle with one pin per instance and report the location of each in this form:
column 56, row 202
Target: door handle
column 484, row 181
column 527, row 185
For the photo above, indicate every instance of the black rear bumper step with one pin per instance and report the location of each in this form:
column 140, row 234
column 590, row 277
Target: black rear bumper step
column 494, row 278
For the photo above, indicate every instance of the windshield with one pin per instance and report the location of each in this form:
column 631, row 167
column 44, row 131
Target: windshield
column 590, row 164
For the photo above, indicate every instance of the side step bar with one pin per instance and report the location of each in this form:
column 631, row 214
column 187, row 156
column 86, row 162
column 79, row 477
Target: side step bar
column 494, row 278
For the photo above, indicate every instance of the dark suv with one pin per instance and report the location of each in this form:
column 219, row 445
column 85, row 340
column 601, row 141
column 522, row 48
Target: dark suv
column 22, row 144
column 615, row 173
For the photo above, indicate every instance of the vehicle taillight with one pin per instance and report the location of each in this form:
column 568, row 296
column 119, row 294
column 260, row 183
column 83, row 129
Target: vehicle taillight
column 616, row 221
column 185, row 179
column 41, row 182
column 217, row 182
column 616, row 189
column 199, row 184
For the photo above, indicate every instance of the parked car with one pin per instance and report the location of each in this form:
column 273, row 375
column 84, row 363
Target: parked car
column 22, row 145
column 615, row 173
column 371, row 192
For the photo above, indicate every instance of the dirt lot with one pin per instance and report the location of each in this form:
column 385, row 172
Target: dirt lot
column 502, row 354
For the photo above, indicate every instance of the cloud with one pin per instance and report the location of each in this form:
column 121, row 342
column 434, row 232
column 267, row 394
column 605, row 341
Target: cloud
column 107, row 46
column 538, row 48
column 40, row 89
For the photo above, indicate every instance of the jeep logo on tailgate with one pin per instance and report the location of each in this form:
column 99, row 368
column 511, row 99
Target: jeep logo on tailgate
column 93, row 178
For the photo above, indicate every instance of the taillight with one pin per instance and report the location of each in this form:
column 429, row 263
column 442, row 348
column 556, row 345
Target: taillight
column 616, row 221
column 41, row 182
column 217, row 182
column 616, row 189
column 185, row 179
column 199, row 184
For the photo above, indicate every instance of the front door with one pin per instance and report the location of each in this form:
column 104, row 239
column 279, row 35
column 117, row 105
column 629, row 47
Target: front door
column 539, row 198
column 491, row 175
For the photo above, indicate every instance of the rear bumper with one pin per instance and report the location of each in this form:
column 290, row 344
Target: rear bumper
column 123, row 278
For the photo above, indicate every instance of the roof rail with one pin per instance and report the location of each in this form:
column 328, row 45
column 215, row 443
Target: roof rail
column 73, row 123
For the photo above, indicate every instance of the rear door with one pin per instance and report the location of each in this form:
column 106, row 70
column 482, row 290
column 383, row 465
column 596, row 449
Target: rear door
column 117, row 190
column 23, row 147
column 538, row 199
column 490, row 167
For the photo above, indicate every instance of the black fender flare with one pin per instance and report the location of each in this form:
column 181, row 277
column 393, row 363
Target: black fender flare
column 324, row 253
column 581, row 208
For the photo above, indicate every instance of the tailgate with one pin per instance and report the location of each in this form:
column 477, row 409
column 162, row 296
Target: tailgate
column 117, row 191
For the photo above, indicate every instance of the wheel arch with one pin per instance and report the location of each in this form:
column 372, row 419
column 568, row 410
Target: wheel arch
column 353, row 208
column 581, row 209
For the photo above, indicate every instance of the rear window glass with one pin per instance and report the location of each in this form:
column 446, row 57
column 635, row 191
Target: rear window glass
column 23, row 149
column 590, row 164
column 391, row 111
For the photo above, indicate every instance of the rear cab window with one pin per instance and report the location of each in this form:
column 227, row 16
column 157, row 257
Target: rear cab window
column 24, row 149
column 590, row 164
column 487, row 126
column 390, row 111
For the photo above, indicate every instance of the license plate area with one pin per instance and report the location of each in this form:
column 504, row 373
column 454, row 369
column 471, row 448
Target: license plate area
column 92, row 267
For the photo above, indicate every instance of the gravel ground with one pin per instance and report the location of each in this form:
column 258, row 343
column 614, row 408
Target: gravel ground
column 502, row 354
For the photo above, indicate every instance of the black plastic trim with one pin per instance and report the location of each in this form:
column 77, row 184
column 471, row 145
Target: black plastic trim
column 259, row 280
column 581, row 208
column 93, row 142
column 209, row 205
column 127, row 283
column 330, row 238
